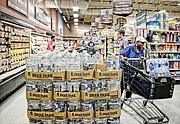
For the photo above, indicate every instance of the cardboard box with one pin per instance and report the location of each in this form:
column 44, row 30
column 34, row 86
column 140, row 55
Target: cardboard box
column 100, row 67
column 104, row 61
column 66, row 95
column 60, row 115
column 74, row 75
column 81, row 115
column 117, row 74
column 40, row 115
column 45, row 75
column 39, row 95
column 100, row 95
column 108, row 114
column 46, row 115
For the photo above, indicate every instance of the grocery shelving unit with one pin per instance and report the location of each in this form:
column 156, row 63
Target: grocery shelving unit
column 162, row 48
column 14, row 49
column 39, row 41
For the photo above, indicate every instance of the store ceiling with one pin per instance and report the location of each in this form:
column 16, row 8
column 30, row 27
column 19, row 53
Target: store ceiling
column 90, row 9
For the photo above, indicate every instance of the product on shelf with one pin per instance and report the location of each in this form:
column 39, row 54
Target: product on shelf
column 14, row 47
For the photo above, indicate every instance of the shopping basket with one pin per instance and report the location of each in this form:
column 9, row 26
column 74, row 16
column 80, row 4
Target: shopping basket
column 139, row 82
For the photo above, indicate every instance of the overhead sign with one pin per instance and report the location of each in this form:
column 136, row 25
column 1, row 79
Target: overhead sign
column 141, row 18
column 106, row 16
column 122, row 8
column 117, row 27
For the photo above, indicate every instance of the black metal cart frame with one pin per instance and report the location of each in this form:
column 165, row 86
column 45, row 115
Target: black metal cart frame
column 139, row 82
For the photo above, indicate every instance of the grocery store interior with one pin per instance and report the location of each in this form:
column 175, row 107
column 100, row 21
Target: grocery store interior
column 89, row 61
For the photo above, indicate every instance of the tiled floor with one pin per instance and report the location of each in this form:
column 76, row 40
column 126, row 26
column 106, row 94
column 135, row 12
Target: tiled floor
column 13, row 110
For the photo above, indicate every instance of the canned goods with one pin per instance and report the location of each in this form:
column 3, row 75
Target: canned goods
column 47, row 121
column 87, row 121
column 86, row 85
column 47, row 106
column 114, row 104
column 114, row 121
column 35, row 122
column 61, row 122
column 73, row 86
column 101, row 121
column 34, row 105
column 59, row 106
column 74, row 121
column 101, row 105
column 86, row 105
column 60, row 86
column 74, row 106
column 114, row 84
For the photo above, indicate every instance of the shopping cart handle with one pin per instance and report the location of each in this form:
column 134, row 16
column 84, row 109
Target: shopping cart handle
column 131, row 59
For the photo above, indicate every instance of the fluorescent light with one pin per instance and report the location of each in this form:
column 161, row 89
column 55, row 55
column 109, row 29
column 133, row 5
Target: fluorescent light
column 68, row 25
column 76, row 23
column 75, row 20
column 76, row 26
column 171, row 19
column 57, row 6
column 75, row 15
column 64, row 18
column 162, row 11
column 75, row 8
column 178, row 4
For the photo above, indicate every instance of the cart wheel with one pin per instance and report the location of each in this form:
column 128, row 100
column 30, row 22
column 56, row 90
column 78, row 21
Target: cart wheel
column 145, row 103
column 160, row 119
column 145, row 122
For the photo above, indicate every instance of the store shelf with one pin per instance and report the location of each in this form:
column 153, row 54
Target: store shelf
column 165, row 31
column 173, row 60
column 4, row 43
column 19, row 48
column 40, row 34
column 174, row 69
column 19, row 42
column 7, row 74
column 174, row 43
column 164, row 52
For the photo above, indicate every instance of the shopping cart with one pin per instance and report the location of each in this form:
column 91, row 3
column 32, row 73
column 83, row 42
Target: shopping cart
column 147, row 88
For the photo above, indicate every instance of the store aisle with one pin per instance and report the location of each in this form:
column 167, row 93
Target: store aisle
column 13, row 110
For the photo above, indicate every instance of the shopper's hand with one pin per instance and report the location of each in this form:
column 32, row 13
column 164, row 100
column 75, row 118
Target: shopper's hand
column 125, row 58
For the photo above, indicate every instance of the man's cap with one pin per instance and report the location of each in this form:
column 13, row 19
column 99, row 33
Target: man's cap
column 141, row 39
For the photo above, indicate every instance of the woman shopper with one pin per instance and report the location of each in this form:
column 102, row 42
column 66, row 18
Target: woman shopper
column 51, row 44
column 132, row 51
column 123, row 43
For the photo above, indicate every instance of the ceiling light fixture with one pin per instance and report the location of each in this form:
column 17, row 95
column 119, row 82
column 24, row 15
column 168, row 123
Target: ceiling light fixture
column 64, row 18
column 171, row 19
column 76, row 26
column 75, row 15
column 162, row 11
column 75, row 20
column 178, row 4
column 75, row 8
column 76, row 23
column 68, row 25
column 57, row 6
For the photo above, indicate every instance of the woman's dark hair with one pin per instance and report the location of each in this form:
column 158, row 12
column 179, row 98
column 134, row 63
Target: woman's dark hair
column 122, row 32
column 52, row 37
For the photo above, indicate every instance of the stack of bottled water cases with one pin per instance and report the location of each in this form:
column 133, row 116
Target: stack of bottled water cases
column 66, row 61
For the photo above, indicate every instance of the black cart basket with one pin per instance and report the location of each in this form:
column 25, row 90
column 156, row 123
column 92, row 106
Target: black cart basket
column 149, row 87
column 137, row 81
